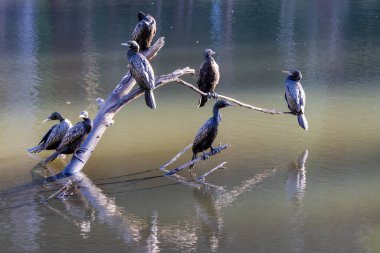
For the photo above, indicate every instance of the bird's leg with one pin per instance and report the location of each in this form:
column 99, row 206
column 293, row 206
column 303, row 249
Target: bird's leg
column 214, row 95
column 214, row 150
column 192, row 174
column 205, row 156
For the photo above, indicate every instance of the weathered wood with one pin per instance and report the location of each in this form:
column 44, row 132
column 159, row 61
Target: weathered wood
column 180, row 81
column 176, row 157
column 211, row 153
column 202, row 178
column 116, row 100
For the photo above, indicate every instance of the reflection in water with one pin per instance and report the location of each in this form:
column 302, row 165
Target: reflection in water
column 90, row 70
column 286, row 36
column 295, row 189
column 19, row 81
column 210, row 218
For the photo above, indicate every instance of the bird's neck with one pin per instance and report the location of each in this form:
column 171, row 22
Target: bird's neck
column 88, row 122
column 217, row 115
column 60, row 118
column 209, row 58
column 131, row 53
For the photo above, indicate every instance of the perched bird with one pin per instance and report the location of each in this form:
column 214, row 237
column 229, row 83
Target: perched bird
column 53, row 137
column 141, row 71
column 208, row 131
column 73, row 138
column 295, row 96
column 144, row 30
column 208, row 76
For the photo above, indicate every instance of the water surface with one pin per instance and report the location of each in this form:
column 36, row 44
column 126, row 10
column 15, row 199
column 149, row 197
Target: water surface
column 285, row 190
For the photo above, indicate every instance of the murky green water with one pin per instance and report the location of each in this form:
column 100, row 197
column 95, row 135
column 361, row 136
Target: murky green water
column 285, row 190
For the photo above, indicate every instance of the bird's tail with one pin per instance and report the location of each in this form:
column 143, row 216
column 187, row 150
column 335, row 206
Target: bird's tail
column 37, row 148
column 51, row 158
column 202, row 101
column 149, row 99
column 193, row 158
column 302, row 121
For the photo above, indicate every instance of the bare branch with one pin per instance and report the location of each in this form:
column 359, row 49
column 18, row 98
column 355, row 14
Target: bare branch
column 180, row 81
column 211, row 153
column 176, row 157
column 202, row 178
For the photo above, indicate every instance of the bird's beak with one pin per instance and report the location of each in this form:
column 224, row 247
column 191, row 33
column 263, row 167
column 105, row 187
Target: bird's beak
column 229, row 104
column 287, row 72
column 125, row 44
column 213, row 53
column 46, row 120
column 82, row 115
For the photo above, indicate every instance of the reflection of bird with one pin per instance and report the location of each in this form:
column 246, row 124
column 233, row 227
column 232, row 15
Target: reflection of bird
column 142, row 72
column 144, row 30
column 208, row 131
column 73, row 138
column 53, row 137
column 208, row 76
column 296, row 178
column 295, row 96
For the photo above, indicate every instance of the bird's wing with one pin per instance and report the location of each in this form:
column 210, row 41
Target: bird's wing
column 203, row 133
column 302, row 97
column 46, row 136
column 144, row 68
column 137, row 31
column 293, row 97
column 57, row 133
column 72, row 135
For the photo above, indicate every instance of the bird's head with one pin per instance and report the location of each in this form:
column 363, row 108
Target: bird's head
column 208, row 53
column 133, row 45
column 141, row 15
column 53, row 116
column 221, row 104
column 295, row 74
column 83, row 115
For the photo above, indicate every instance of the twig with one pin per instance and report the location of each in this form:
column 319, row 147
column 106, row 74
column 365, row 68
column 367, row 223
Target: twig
column 180, row 81
column 176, row 157
column 211, row 153
column 202, row 178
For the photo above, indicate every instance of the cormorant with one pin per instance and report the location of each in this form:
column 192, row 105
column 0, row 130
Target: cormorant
column 144, row 30
column 208, row 131
column 73, row 138
column 53, row 137
column 208, row 76
column 295, row 96
column 141, row 71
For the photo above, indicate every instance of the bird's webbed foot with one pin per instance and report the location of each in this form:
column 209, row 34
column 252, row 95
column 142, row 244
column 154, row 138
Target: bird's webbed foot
column 215, row 150
column 212, row 94
column 205, row 156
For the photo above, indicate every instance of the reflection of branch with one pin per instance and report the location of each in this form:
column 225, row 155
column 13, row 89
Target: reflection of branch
column 227, row 198
column 202, row 178
column 128, row 225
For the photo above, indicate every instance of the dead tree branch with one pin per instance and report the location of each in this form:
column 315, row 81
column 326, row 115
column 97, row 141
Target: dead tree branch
column 211, row 153
column 180, row 81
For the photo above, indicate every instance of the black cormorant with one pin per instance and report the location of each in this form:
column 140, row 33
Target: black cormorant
column 73, row 138
column 208, row 76
column 142, row 72
column 208, row 131
column 144, row 30
column 295, row 96
column 53, row 137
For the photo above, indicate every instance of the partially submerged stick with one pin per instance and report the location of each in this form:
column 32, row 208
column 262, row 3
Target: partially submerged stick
column 202, row 178
column 176, row 157
column 211, row 153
